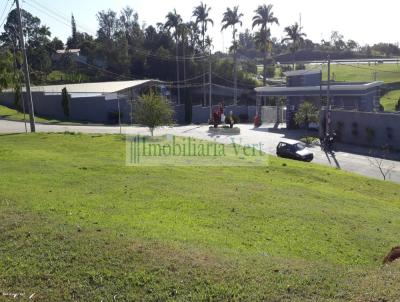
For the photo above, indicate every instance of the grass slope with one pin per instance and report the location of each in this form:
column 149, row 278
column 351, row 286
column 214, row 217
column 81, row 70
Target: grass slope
column 12, row 114
column 76, row 224
column 389, row 73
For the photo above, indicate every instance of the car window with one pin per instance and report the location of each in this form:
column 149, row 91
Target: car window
column 299, row 147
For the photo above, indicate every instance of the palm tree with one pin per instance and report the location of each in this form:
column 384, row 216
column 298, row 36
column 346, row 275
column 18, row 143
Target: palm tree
column 184, row 29
column 174, row 21
column 201, row 13
column 296, row 37
column 232, row 18
column 264, row 16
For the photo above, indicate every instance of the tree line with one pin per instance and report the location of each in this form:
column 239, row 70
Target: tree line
column 174, row 50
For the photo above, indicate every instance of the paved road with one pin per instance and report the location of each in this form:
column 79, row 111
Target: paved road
column 357, row 161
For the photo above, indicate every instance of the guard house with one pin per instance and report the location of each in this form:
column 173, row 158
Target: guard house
column 307, row 85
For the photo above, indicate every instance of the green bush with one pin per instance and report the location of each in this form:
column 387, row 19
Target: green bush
column 310, row 140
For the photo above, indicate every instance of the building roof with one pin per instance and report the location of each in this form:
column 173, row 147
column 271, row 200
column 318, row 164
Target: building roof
column 301, row 72
column 340, row 89
column 100, row 88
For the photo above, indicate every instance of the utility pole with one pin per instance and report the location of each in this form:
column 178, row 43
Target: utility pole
column 26, row 70
column 328, row 92
column 210, row 84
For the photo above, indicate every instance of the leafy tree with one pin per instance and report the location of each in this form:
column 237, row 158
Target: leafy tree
column 6, row 70
column 37, row 40
column 264, row 16
column 65, row 101
column 306, row 114
column 152, row 111
column 231, row 18
column 295, row 37
column 398, row 105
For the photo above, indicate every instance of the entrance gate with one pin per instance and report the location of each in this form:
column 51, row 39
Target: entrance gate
column 273, row 114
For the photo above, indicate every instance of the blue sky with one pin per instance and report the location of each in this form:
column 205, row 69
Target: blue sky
column 363, row 21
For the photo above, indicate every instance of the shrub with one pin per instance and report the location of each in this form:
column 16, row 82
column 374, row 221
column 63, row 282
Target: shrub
column 65, row 101
column 152, row 111
column 306, row 114
column 309, row 140
column 398, row 105
column 270, row 72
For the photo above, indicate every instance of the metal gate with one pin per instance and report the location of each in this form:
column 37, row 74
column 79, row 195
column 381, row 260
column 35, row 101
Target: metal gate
column 273, row 114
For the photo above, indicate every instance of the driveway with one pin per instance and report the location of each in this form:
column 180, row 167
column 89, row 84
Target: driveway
column 350, row 158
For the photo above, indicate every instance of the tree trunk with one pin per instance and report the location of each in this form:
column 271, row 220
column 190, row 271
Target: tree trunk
column 235, row 68
column 265, row 69
column 177, row 72
column 204, row 68
column 184, row 60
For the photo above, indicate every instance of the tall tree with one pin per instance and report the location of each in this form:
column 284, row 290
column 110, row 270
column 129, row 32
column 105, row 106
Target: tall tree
column 174, row 21
column 264, row 16
column 74, row 33
column 231, row 18
column 295, row 37
column 201, row 13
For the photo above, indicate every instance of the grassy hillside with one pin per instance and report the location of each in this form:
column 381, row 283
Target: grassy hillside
column 388, row 73
column 15, row 115
column 76, row 224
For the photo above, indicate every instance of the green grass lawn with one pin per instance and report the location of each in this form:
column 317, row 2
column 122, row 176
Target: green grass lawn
column 389, row 100
column 61, row 76
column 12, row 114
column 387, row 73
column 76, row 224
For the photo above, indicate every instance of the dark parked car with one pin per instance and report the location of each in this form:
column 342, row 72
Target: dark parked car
column 294, row 150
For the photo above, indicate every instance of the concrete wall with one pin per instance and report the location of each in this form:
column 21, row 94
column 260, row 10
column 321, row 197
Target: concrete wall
column 179, row 114
column 96, row 109
column 93, row 109
column 351, row 127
